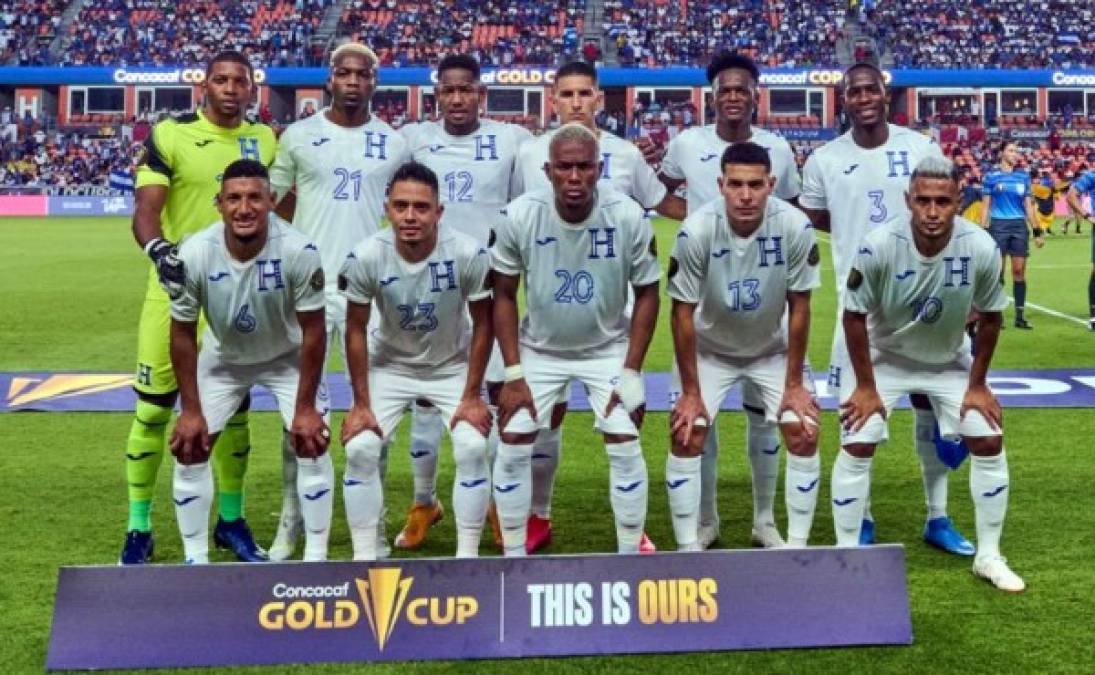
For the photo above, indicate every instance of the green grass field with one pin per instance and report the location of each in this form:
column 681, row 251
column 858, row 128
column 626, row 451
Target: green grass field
column 71, row 292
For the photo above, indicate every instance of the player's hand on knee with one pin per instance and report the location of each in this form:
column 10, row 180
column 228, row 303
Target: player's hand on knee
column 190, row 440
column 859, row 407
column 688, row 414
column 359, row 419
column 981, row 399
column 799, row 401
column 309, row 433
column 475, row 412
column 515, row 395
column 170, row 268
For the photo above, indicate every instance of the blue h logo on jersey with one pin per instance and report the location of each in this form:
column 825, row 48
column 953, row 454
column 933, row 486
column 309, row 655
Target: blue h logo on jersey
column 270, row 270
column 609, row 243
column 484, row 143
column 606, row 159
column 961, row 270
column 378, row 142
column 436, row 275
column 775, row 250
column 249, row 149
column 898, row 159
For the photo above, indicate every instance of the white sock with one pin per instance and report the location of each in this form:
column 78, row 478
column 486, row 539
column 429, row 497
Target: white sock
column 682, row 480
column 193, row 493
column 493, row 437
column 763, row 446
column 382, row 524
column 363, row 493
column 989, row 486
column 513, row 495
column 709, row 477
column 801, row 485
column 426, row 429
column 932, row 469
column 316, row 486
column 290, row 502
column 471, row 488
column 851, row 482
column 545, row 462
column 628, row 487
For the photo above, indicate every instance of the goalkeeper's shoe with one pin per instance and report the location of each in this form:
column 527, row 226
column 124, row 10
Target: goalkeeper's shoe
column 420, row 519
column 940, row 533
column 137, row 549
column 290, row 529
column 866, row 533
column 236, row 536
column 995, row 570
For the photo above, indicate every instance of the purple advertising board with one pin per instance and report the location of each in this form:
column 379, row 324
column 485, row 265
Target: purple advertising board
column 426, row 609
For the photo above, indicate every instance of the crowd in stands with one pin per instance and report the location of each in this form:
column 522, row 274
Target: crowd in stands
column 58, row 159
column 26, row 29
column 165, row 32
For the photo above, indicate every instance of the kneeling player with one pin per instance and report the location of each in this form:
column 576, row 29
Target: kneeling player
column 742, row 263
column 909, row 293
column 423, row 281
column 260, row 286
column 579, row 247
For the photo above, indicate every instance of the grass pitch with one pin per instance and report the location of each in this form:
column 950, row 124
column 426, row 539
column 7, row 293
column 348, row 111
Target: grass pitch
column 71, row 293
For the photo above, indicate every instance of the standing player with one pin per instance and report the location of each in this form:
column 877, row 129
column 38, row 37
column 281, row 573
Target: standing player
column 850, row 186
column 340, row 161
column 424, row 280
column 474, row 159
column 577, row 99
column 259, row 285
column 742, row 266
column 1086, row 185
column 1007, row 210
column 177, row 181
column 909, row 292
column 693, row 158
column 579, row 247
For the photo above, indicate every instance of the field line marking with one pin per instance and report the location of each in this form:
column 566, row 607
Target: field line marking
column 1053, row 312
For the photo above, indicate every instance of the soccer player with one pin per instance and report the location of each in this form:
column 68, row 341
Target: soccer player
column 474, row 159
column 1086, row 185
column 624, row 168
column 1007, row 210
column 1043, row 191
column 910, row 290
column 424, row 280
column 340, row 161
column 743, row 264
column 579, row 247
column 259, row 284
column 850, row 186
column 178, row 178
column 694, row 158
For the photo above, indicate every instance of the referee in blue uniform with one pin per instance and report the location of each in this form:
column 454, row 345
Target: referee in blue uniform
column 1008, row 208
column 1086, row 185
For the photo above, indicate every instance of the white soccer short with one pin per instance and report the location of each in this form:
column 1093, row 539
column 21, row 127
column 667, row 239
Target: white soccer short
column 945, row 386
column 763, row 376
column 549, row 377
column 393, row 389
column 223, row 386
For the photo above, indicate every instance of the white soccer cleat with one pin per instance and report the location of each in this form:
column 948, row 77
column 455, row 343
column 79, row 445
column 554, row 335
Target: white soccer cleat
column 290, row 529
column 766, row 535
column 707, row 534
column 995, row 570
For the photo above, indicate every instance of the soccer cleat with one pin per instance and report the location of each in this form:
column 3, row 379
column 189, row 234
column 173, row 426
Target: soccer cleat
column 289, row 532
column 1023, row 324
column 646, row 546
column 707, row 534
column 495, row 524
column 940, row 533
column 995, row 570
column 137, row 549
column 538, row 534
column 419, row 520
column 766, row 535
column 866, row 533
column 236, row 536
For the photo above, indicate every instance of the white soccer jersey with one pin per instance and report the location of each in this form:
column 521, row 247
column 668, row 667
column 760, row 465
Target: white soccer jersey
column 475, row 172
column 917, row 307
column 740, row 285
column 250, row 307
column 624, row 169
column 861, row 188
column 577, row 275
column 341, row 175
column 694, row 156
column 423, row 320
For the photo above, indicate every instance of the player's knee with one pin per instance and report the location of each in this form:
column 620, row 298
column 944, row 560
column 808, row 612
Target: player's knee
column 153, row 413
column 617, row 439
column 469, row 448
column 985, row 446
column 860, row 450
column 159, row 401
column 363, row 453
column 557, row 414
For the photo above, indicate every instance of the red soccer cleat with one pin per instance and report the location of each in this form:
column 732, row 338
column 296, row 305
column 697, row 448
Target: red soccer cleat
column 539, row 534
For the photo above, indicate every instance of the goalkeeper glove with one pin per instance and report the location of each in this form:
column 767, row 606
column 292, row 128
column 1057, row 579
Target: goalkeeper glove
column 169, row 268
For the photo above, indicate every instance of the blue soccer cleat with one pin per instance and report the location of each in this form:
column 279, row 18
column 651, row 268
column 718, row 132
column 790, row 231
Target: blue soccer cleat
column 236, row 537
column 940, row 533
column 137, row 549
column 866, row 533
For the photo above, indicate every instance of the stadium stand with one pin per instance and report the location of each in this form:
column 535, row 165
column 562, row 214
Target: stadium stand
column 63, row 159
column 27, row 27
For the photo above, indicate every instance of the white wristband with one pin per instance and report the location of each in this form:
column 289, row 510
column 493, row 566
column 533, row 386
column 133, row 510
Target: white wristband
column 513, row 373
